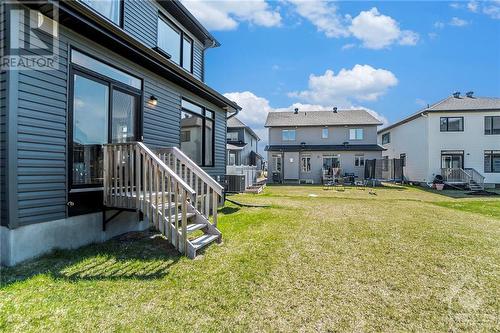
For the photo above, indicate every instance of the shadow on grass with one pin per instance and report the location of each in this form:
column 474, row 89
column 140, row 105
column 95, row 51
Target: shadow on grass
column 226, row 210
column 453, row 193
column 144, row 256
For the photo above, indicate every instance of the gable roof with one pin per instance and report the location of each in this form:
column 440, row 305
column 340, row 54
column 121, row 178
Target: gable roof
column 321, row 118
column 453, row 104
column 234, row 122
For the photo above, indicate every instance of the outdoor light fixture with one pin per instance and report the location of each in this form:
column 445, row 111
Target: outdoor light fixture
column 153, row 100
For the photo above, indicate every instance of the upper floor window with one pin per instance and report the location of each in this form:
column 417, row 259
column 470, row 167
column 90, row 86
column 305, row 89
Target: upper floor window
column 356, row 134
column 288, row 135
column 452, row 124
column 491, row 125
column 175, row 44
column 324, row 133
column 110, row 9
column 232, row 136
column 386, row 138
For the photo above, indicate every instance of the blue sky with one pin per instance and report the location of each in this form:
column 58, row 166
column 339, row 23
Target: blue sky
column 389, row 57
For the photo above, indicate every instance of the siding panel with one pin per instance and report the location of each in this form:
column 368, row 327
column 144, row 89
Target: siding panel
column 3, row 119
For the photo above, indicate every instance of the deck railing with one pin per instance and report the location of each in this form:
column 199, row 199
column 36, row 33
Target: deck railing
column 136, row 178
column 475, row 176
column 455, row 175
column 209, row 192
column 249, row 171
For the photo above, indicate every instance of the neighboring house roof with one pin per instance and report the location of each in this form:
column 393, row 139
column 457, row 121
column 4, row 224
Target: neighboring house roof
column 234, row 122
column 233, row 147
column 453, row 104
column 324, row 148
column 321, row 118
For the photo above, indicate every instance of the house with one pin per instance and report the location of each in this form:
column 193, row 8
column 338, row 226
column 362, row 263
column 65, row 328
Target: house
column 307, row 146
column 457, row 137
column 116, row 133
column 242, row 144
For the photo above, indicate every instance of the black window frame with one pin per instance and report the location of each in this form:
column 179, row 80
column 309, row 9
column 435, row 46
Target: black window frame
column 491, row 153
column 162, row 16
column 386, row 135
column 121, row 16
column 204, row 118
column 491, row 125
column 447, row 124
column 75, row 69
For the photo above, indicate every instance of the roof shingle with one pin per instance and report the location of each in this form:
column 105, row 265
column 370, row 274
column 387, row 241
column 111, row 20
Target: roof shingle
column 321, row 118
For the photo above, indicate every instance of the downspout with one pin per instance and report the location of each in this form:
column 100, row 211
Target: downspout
column 233, row 114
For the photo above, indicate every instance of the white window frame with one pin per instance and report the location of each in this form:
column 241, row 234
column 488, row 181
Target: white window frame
column 324, row 133
column 304, row 166
column 285, row 134
column 359, row 160
column 356, row 134
column 275, row 163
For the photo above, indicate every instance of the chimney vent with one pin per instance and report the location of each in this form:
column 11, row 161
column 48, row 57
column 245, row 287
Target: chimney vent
column 296, row 110
column 470, row 94
column 456, row 94
column 334, row 109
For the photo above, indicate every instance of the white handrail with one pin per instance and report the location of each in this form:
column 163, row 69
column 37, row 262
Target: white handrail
column 197, row 170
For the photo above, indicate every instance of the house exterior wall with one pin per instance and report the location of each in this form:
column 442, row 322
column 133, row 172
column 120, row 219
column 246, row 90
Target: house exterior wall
column 141, row 21
column 422, row 141
column 337, row 135
column 346, row 164
column 40, row 148
column 3, row 122
column 244, row 136
column 472, row 141
column 411, row 139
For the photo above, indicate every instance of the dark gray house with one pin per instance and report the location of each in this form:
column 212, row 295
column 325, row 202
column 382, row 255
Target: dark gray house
column 242, row 144
column 117, row 132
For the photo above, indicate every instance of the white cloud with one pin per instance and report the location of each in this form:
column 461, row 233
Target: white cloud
column 323, row 15
column 458, row 22
column 492, row 9
column 255, row 109
column 226, row 14
column 348, row 46
column 374, row 30
column 362, row 83
column 439, row 25
column 473, row 6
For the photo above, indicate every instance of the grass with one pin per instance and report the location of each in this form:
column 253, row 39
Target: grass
column 385, row 259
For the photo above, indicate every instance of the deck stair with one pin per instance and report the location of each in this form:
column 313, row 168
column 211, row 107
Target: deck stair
column 173, row 193
column 469, row 177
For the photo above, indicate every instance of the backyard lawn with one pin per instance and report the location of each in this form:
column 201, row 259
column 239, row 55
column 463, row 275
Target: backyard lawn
column 356, row 259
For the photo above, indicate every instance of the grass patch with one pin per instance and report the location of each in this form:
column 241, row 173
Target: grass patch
column 360, row 259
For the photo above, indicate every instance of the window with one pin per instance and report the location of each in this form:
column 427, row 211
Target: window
column 492, row 161
column 305, row 163
column 452, row 124
column 89, row 63
column 187, row 50
column 324, row 133
column 232, row 158
column 356, row 134
column 175, row 44
column 185, row 136
column 452, row 159
column 232, row 136
column 277, row 163
column 288, row 135
column 110, row 9
column 386, row 138
column 492, row 125
column 402, row 157
column 359, row 160
column 330, row 162
column 199, row 143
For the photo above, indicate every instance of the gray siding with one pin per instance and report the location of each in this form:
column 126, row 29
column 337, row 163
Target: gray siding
column 3, row 155
column 42, row 128
column 141, row 21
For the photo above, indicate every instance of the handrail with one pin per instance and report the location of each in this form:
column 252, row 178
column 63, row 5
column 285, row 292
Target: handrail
column 455, row 175
column 177, row 178
column 197, row 170
column 476, row 176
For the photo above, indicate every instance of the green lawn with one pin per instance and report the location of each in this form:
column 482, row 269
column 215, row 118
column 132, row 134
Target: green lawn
column 384, row 259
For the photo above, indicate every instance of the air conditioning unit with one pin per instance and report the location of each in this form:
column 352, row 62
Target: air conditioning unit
column 306, row 181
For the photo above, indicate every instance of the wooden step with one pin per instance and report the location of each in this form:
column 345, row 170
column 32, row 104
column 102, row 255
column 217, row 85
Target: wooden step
column 203, row 241
column 195, row 226
column 179, row 216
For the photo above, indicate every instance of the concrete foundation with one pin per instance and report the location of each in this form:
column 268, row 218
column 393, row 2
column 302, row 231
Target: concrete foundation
column 27, row 242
